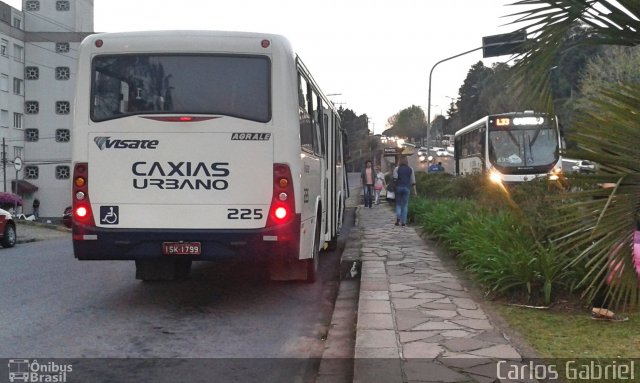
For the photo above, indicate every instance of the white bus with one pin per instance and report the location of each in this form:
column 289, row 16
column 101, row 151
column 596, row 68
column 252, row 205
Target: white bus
column 510, row 147
column 202, row 145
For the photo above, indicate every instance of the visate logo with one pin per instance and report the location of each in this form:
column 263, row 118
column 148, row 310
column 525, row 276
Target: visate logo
column 109, row 143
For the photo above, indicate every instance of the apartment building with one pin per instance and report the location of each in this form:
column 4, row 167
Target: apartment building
column 38, row 54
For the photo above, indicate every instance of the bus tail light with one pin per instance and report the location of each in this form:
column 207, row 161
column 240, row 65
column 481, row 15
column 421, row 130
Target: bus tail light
column 283, row 204
column 82, row 212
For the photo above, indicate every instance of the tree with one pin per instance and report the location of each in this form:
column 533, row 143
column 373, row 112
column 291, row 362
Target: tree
column 438, row 126
column 594, row 232
column 409, row 122
column 358, row 137
column 469, row 105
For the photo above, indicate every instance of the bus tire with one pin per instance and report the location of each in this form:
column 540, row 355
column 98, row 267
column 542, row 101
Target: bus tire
column 313, row 264
column 333, row 244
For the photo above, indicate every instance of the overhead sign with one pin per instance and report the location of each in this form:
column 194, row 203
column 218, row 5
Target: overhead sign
column 504, row 44
column 392, row 151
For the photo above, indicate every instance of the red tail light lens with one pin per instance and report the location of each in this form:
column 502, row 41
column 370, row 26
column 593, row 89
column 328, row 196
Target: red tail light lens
column 282, row 201
column 80, row 195
column 281, row 212
column 81, row 212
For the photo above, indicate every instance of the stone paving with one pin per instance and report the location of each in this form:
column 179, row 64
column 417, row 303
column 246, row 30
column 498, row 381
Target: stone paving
column 416, row 322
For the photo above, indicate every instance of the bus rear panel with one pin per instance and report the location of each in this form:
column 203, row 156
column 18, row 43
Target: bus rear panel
column 185, row 150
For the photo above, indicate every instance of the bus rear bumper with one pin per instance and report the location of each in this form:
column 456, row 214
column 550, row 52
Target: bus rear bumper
column 94, row 243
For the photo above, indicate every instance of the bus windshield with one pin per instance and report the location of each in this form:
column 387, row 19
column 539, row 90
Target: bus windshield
column 231, row 85
column 523, row 145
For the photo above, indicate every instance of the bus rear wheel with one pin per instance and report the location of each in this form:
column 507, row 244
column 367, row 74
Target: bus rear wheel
column 313, row 264
column 283, row 269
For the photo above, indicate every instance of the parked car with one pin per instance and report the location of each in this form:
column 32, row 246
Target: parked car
column 443, row 153
column 66, row 216
column 8, row 235
column 584, row 167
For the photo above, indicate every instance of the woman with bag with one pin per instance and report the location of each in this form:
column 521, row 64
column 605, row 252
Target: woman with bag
column 379, row 185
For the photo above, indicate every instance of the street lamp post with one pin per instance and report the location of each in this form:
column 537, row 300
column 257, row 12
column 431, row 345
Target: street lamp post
column 430, row 76
column 497, row 45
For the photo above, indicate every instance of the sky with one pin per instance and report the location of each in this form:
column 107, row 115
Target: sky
column 375, row 54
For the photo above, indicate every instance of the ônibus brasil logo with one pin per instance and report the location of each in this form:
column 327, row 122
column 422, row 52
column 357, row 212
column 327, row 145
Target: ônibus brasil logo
column 116, row 143
column 24, row 370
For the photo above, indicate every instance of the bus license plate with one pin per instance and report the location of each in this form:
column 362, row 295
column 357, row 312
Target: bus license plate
column 181, row 248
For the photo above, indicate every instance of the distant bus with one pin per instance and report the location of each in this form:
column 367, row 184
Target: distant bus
column 202, row 145
column 447, row 139
column 510, row 147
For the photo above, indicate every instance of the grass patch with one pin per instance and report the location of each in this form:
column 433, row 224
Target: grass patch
column 573, row 334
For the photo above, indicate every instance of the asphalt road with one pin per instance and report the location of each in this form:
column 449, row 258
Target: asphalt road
column 53, row 306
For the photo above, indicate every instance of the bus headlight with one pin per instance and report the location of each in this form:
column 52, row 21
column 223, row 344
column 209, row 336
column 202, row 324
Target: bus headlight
column 495, row 177
column 555, row 173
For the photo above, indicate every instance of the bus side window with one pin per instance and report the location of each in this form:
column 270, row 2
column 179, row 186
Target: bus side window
column 306, row 125
column 302, row 92
column 321, row 123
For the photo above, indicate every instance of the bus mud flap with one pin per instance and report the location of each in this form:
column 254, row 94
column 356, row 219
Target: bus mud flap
column 281, row 269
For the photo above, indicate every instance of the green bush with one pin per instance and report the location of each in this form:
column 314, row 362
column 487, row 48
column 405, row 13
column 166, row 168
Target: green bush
column 490, row 241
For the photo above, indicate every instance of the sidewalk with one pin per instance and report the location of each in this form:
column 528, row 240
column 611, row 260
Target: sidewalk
column 28, row 231
column 416, row 322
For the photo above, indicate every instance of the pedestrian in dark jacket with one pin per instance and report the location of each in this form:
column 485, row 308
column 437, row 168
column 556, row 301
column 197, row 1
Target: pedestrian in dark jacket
column 36, row 208
column 405, row 180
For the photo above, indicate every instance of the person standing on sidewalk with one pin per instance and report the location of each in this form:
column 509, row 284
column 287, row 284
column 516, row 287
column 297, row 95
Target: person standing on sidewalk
column 368, row 176
column 36, row 208
column 379, row 185
column 405, row 180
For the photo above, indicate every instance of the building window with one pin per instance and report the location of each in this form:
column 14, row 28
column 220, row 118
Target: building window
column 4, row 82
column 62, row 47
column 63, row 73
column 63, row 135
column 3, row 47
column 4, row 118
column 17, row 22
column 62, row 5
column 31, row 172
column 17, row 120
column 18, row 53
column 18, row 151
column 18, row 86
column 31, row 107
column 63, row 172
column 63, row 107
column 32, row 5
column 31, row 135
column 31, row 72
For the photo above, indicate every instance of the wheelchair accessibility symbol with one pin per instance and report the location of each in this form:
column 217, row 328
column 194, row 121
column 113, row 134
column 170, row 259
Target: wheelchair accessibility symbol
column 109, row 215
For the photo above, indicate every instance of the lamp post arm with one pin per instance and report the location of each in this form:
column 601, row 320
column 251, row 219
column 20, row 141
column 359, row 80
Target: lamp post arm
column 430, row 74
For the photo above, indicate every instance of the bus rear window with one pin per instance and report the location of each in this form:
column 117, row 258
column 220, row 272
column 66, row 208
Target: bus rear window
column 236, row 86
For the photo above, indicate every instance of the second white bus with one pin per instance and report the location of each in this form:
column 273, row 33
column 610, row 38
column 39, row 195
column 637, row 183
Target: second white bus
column 510, row 147
column 203, row 145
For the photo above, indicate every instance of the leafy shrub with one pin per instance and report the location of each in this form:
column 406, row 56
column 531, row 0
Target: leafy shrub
column 501, row 252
